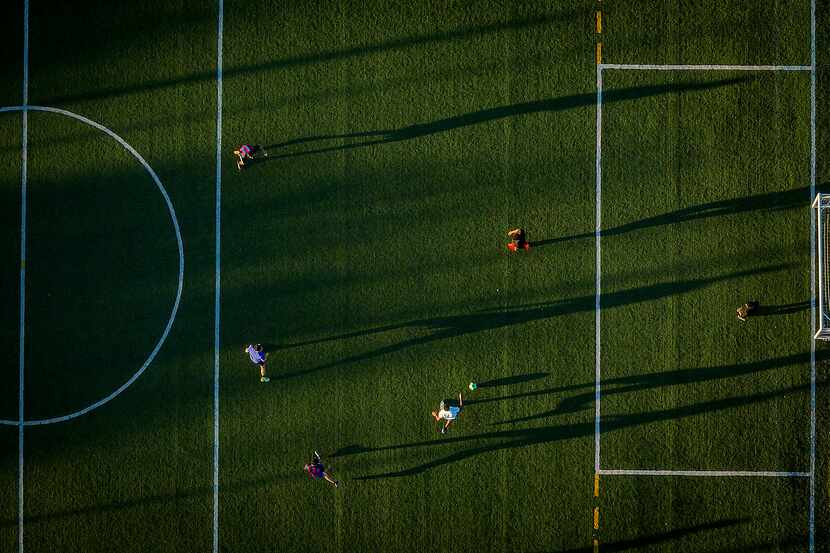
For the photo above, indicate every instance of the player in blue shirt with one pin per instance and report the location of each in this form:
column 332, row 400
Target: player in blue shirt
column 258, row 356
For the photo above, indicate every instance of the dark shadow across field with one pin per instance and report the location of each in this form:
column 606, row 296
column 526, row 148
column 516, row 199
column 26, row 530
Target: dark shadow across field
column 661, row 537
column 511, row 380
column 181, row 495
column 459, row 325
column 460, row 33
column 486, row 115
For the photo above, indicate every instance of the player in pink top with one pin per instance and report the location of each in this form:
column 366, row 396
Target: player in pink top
column 250, row 153
column 316, row 470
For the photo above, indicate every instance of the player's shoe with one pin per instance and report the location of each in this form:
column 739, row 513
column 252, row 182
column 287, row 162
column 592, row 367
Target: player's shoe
column 264, row 379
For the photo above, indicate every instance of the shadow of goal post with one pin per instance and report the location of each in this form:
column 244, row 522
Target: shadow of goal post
column 822, row 206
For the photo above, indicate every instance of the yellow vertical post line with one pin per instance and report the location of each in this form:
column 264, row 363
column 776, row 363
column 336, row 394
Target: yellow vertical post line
column 596, row 518
column 599, row 22
column 599, row 53
column 596, row 485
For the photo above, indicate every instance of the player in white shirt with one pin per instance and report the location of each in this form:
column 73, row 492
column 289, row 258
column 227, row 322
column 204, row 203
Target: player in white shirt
column 448, row 413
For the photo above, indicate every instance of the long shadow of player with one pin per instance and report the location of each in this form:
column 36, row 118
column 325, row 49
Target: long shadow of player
column 384, row 136
column 786, row 309
column 771, row 201
column 487, row 442
column 640, row 382
column 640, row 542
column 459, row 325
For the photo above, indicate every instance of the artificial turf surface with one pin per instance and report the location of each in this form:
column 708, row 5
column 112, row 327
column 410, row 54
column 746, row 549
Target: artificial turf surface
column 368, row 255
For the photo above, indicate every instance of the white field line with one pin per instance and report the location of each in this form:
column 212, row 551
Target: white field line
column 175, row 222
column 24, row 169
column 705, row 473
column 812, row 512
column 597, row 306
column 216, row 312
column 650, row 67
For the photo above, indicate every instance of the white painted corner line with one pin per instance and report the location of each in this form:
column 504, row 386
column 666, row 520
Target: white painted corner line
column 812, row 506
column 24, row 169
column 217, row 297
column 597, row 238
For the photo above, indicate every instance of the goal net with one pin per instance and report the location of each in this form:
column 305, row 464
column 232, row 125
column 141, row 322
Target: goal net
column 822, row 206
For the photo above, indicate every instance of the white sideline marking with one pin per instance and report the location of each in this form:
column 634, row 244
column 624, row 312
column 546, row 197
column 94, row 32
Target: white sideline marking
column 175, row 309
column 709, row 473
column 216, row 313
column 24, row 169
column 650, row 67
column 597, row 307
column 812, row 513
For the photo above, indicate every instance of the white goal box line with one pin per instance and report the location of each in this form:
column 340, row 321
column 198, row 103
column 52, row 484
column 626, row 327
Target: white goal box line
column 704, row 473
column 597, row 235
column 700, row 67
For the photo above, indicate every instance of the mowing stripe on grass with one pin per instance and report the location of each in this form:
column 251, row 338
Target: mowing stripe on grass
column 597, row 307
column 650, row 67
column 812, row 507
column 710, row 473
column 216, row 312
column 24, row 167
column 25, row 109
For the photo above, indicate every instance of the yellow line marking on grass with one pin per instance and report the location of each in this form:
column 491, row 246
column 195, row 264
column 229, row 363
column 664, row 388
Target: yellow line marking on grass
column 596, row 485
column 596, row 545
column 599, row 53
column 596, row 518
column 599, row 22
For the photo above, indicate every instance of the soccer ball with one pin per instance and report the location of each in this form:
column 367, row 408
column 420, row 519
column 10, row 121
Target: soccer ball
column 473, row 386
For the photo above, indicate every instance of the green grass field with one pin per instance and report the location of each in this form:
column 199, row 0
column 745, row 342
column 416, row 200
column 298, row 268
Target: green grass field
column 368, row 255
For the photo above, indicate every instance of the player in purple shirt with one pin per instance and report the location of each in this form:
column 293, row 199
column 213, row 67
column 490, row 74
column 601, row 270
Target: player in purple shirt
column 316, row 470
column 258, row 356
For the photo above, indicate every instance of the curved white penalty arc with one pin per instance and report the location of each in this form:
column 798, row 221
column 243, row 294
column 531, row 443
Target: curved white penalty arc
column 171, row 210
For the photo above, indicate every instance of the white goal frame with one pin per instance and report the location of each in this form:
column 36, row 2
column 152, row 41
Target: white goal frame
column 822, row 206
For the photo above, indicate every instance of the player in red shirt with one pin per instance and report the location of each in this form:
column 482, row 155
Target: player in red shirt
column 518, row 238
